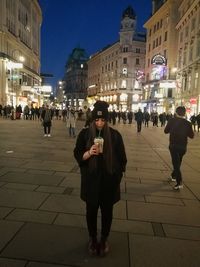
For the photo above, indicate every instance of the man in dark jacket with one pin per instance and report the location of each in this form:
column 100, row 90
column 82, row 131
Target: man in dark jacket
column 139, row 120
column 179, row 129
column 198, row 121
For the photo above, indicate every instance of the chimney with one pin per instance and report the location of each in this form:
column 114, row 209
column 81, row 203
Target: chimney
column 153, row 6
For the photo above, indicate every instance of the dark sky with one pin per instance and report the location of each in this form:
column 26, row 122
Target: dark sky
column 89, row 24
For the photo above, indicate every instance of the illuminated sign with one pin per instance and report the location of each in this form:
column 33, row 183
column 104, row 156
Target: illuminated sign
column 43, row 89
column 140, row 75
column 193, row 101
column 159, row 60
column 157, row 95
column 14, row 65
column 168, row 84
column 158, row 72
column 92, row 86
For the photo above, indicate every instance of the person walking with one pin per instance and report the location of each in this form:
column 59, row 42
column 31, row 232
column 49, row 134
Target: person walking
column 193, row 121
column 146, row 118
column 198, row 121
column 26, row 112
column 101, row 156
column 139, row 120
column 71, row 122
column 46, row 117
column 179, row 130
column 88, row 117
column 130, row 117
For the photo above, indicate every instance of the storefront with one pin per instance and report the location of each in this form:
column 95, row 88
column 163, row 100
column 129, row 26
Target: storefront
column 191, row 105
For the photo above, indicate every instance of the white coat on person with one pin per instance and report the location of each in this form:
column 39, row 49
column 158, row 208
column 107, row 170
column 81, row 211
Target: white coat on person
column 71, row 122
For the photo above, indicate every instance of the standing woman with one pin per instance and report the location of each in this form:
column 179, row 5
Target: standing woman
column 71, row 122
column 46, row 117
column 101, row 156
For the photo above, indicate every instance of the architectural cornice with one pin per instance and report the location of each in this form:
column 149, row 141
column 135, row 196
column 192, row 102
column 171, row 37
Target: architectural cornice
column 186, row 17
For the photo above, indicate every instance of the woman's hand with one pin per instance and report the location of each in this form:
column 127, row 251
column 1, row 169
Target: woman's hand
column 94, row 150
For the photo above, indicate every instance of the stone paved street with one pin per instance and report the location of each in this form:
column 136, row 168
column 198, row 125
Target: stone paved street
column 42, row 219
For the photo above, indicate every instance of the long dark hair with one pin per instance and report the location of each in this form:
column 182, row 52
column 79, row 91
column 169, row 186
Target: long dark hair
column 107, row 147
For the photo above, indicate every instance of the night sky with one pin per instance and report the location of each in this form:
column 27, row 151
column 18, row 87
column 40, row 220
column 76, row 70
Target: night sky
column 89, row 24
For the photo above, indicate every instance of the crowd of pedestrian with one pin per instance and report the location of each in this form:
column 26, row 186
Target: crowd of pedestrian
column 33, row 112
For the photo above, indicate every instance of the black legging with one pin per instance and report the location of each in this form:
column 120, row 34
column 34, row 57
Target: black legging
column 139, row 126
column 47, row 127
column 106, row 219
column 177, row 154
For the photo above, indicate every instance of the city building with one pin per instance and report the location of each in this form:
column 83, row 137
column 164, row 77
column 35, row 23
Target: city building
column 161, row 57
column 188, row 56
column 74, row 82
column 116, row 73
column 20, row 82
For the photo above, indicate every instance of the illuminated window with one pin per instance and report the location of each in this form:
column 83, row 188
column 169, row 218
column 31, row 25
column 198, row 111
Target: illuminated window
column 136, row 84
column 123, row 97
column 124, row 71
column 114, row 98
column 123, row 83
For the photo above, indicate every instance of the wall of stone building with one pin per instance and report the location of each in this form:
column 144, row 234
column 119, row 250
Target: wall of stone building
column 188, row 72
column 13, row 46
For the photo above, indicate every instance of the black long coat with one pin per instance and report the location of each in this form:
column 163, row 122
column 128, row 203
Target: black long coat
column 99, row 185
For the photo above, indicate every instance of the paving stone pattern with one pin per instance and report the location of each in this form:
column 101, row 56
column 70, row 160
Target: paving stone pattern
column 42, row 218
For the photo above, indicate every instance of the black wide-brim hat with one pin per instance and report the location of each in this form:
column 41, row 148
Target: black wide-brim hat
column 100, row 110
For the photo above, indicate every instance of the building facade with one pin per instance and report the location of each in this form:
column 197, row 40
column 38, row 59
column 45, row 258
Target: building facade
column 74, row 82
column 116, row 73
column 20, row 22
column 161, row 57
column 188, row 56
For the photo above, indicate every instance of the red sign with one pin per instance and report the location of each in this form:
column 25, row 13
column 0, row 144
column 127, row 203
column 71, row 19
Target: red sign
column 193, row 100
